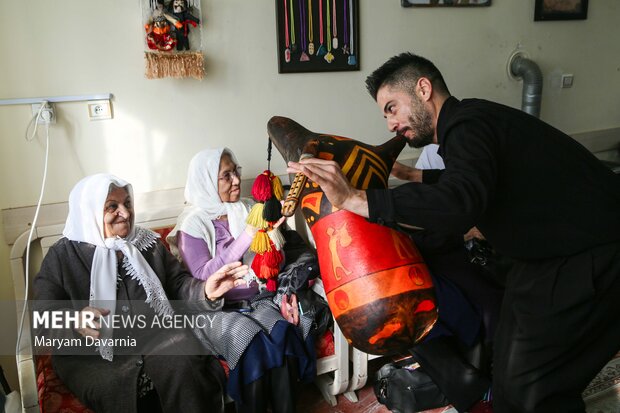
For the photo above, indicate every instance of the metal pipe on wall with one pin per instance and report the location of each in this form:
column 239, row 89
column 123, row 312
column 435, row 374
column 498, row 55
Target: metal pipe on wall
column 523, row 68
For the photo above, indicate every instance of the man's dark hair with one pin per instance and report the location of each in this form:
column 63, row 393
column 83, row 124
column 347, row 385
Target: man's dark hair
column 403, row 71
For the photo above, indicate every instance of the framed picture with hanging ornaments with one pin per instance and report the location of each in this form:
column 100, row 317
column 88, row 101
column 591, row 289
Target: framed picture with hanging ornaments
column 172, row 38
column 446, row 3
column 317, row 35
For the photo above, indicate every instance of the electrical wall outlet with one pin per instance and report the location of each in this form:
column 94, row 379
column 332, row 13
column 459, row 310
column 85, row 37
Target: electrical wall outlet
column 567, row 81
column 48, row 116
column 99, row 109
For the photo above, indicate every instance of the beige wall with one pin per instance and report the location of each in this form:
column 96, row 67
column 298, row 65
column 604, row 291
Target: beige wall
column 74, row 47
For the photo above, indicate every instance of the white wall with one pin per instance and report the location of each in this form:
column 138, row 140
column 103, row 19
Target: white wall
column 72, row 47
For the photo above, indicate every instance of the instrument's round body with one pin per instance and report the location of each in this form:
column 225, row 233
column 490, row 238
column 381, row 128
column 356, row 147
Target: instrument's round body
column 378, row 288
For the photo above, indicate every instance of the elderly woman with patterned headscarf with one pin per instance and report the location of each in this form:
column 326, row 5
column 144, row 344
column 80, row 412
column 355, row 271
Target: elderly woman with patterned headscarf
column 264, row 351
column 114, row 266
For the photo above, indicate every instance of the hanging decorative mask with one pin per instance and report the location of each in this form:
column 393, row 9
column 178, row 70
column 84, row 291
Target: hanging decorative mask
column 173, row 40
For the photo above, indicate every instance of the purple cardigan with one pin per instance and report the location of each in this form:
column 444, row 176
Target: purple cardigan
column 195, row 254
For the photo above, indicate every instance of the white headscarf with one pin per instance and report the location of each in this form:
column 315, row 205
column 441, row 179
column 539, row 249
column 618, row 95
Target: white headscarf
column 205, row 205
column 85, row 224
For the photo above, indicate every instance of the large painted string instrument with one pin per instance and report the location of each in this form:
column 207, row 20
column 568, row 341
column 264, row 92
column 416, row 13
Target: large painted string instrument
column 378, row 288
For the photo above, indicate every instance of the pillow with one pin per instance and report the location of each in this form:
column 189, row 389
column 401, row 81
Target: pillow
column 163, row 233
column 54, row 396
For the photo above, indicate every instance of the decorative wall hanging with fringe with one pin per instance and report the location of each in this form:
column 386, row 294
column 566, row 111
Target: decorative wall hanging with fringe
column 173, row 39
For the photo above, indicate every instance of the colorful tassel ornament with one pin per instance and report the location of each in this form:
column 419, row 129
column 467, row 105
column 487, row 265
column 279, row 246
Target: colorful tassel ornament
column 267, row 191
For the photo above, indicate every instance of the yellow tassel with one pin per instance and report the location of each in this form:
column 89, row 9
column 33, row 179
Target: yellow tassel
column 260, row 244
column 276, row 187
column 255, row 217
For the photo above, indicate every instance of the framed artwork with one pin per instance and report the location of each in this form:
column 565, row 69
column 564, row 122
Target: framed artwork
column 317, row 35
column 560, row 10
column 444, row 3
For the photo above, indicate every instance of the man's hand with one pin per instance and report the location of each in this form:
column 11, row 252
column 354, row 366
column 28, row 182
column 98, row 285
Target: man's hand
column 328, row 175
column 473, row 233
column 224, row 279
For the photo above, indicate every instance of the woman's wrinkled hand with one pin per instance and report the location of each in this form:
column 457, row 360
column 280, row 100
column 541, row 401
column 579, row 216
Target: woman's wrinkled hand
column 228, row 277
column 290, row 309
column 91, row 328
column 279, row 222
column 250, row 230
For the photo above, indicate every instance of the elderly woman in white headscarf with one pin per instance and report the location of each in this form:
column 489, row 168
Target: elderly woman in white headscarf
column 264, row 351
column 113, row 266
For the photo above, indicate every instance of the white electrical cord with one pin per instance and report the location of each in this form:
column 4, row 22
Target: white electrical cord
column 34, row 220
column 35, row 119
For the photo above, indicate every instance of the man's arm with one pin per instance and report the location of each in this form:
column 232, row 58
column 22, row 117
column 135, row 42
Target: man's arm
column 406, row 173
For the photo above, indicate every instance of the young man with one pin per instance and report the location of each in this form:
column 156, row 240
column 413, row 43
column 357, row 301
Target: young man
column 539, row 197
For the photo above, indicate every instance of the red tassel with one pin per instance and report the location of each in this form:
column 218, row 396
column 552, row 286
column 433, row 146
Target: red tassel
column 272, row 285
column 267, row 272
column 272, row 258
column 257, row 262
column 261, row 189
column 261, row 267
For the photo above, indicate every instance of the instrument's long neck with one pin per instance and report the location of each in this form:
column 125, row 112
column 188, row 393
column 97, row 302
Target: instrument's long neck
column 366, row 166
